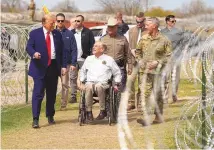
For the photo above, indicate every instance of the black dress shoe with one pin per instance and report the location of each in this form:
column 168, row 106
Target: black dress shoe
column 158, row 119
column 51, row 120
column 175, row 99
column 89, row 116
column 143, row 122
column 101, row 115
column 35, row 123
column 73, row 100
column 130, row 107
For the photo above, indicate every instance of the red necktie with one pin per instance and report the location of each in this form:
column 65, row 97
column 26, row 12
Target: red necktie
column 48, row 43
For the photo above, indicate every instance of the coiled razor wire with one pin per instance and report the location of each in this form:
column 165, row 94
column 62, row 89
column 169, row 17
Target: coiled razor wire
column 188, row 128
column 13, row 62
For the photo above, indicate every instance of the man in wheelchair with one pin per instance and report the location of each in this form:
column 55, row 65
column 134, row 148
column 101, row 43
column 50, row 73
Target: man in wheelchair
column 96, row 72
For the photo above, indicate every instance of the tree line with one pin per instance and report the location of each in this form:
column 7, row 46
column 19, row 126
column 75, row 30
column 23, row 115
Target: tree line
column 127, row 7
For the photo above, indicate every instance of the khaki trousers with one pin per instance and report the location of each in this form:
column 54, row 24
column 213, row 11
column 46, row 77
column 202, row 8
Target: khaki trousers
column 99, row 89
column 65, row 87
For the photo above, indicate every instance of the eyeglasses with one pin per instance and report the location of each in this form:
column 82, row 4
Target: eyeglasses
column 139, row 21
column 173, row 21
column 77, row 21
column 60, row 21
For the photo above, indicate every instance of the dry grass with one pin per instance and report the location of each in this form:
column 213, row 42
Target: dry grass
column 68, row 134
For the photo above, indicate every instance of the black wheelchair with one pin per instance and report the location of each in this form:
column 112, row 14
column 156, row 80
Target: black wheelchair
column 112, row 101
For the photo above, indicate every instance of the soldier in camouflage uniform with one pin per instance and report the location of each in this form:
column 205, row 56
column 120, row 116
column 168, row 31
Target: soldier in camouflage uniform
column 118, row 48
column 152, row 53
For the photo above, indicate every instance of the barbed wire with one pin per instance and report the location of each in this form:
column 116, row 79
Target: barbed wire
column 188, row 128
column 14, row 61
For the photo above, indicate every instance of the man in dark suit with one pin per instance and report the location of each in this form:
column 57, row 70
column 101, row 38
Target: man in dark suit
column 48, row 61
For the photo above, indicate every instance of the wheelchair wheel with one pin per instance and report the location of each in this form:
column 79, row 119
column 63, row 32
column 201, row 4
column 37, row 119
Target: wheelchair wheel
column 110, row 116
column 82, row 110
column 82, row 118
column 113, row 106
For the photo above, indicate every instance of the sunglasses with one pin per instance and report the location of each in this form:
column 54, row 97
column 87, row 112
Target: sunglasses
column 60, row 21
column 173, row 21
column 139, row 21
column 77, row 21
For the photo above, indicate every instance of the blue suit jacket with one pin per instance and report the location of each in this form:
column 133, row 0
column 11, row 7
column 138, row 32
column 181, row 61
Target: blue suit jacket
column 37, row 43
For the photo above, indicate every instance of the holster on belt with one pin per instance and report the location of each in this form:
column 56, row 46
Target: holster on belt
column 120, row 62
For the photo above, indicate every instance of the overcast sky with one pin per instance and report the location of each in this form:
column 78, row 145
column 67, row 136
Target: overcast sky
column 85, row 5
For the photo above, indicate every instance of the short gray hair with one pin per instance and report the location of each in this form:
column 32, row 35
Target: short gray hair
column 154, row 20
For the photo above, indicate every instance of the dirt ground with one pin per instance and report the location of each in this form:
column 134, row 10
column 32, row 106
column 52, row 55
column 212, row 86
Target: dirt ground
column 67, row 134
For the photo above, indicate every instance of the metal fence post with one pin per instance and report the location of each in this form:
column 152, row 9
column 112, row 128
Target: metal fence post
column 203, row 128
column 26, row 72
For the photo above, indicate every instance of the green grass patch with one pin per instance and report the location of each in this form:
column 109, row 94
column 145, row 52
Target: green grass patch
column 20, row 116
column 15, row 117
column 189, row 88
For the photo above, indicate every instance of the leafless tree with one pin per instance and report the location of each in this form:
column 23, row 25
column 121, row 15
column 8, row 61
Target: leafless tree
column 128, row 7
column 13, row 5
column 146, row 4
column 65, row 6
column 195, row 7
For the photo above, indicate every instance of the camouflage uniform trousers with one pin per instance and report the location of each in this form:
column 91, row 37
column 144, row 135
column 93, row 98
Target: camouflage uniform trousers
column 32, row 13
column 150, row 94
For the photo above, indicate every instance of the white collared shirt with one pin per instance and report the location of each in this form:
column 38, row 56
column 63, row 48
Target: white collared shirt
column 78, row 39
column 139, row 35
column 53, row 53
column 100, row 70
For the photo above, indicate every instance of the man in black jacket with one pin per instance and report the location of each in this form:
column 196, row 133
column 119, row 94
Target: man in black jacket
column 85, row 42
column 122, row 26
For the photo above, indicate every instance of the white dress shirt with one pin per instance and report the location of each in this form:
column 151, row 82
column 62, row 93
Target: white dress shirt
column 139, row 35
column 53, row 53
column 78, row 39
column 100, row 70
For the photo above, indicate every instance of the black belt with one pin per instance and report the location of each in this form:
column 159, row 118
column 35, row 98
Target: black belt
column 120, row 62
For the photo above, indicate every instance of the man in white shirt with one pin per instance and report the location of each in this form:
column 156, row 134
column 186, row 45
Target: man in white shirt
column 85, row 41
column 96, row 71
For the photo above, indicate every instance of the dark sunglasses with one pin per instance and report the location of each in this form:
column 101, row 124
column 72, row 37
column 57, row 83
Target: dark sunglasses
column 77, row 21
column 60, row 20
column 173, row 21
column 139, row 21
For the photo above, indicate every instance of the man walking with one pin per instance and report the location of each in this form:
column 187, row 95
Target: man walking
column 122, row 26
column 175, row 36
column 135, row 33
column 118, row 48
column 71, row 48
column 152, row 53
column 48, row 61
column 85, row 42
